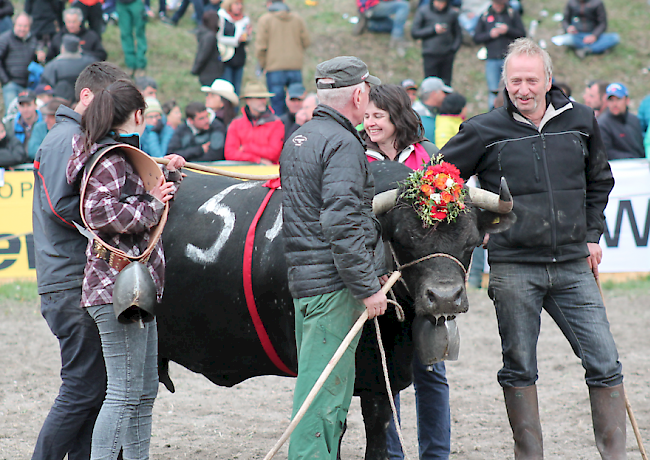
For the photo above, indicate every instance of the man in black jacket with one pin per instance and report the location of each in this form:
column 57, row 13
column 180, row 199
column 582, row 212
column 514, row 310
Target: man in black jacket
column 499, row 26
column 91, row 43
column 585, row 22
column 550, row 151
column 60, row 261
column 17, row 51
column 331, row 237
column 621, row 129
column 193, row 140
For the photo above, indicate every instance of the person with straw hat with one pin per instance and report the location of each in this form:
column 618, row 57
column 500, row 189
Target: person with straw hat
column 258, row 135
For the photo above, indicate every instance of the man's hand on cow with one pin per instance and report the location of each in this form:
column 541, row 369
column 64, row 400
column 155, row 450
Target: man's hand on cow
column 595, row 257
column 376, row 304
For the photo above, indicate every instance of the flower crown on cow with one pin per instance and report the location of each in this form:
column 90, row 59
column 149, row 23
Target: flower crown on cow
column 436, row 193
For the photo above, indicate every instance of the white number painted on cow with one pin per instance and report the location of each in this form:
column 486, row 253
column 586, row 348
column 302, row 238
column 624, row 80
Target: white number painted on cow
column 214, row 205
column 274, row 231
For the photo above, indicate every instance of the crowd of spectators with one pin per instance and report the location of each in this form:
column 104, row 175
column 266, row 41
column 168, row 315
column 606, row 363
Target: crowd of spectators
column 203, row 130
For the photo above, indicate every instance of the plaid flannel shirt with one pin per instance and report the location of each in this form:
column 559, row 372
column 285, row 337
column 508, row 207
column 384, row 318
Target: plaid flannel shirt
column 121, row 212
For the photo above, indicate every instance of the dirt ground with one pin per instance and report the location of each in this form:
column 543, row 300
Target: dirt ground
column 203, row 421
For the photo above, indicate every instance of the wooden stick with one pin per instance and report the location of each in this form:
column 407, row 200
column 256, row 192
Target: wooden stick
column 328, row 370
column 628, row 406
column 221, row 172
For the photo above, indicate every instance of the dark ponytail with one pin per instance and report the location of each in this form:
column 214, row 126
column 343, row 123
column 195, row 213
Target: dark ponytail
column 110, row 108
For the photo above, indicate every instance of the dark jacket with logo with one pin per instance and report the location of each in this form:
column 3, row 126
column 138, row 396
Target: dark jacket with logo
column 89, row 41
column 587, row 16
column 329, row 229
column 497, row 47
column 622, row 135
column 59, row 247
column 424, row 27
column 15, row 56
column 558, row 175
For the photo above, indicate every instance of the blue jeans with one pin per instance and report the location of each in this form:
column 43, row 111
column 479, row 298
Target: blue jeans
column 233, row 75
column 389, row 17
column 276, row 81
column 493, row 69
column 602, row 44
column 433, row 413
column 68, row 427
column 198, row 11
column 10, row 92
column 130, row 354
column 568, row 292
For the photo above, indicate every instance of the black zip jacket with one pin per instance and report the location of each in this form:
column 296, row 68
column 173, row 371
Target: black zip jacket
column 558, row 175
column 59, row 247
column 15, row 56
column 497, row 47
column 424, row 27
column 587, row 16
column 331, row 235
column 622, row 135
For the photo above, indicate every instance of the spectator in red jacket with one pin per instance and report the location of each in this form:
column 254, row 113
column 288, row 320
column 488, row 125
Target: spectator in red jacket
column 258, row 135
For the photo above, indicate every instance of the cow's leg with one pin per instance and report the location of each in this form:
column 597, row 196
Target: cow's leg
column 376, row 417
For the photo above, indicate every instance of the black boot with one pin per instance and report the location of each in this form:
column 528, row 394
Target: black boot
column 521, row 404
column 608, row 414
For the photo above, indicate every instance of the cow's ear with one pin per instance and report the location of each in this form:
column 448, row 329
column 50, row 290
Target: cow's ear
column 491, row 222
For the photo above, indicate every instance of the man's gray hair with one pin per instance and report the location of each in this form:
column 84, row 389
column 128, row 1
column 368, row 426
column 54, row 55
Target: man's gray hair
column 73, row 11
column 526, row 46
column 23, row 14
column 338, row 98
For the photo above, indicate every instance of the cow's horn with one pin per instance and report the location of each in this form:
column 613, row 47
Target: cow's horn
column 384, row 201
column 501, row 203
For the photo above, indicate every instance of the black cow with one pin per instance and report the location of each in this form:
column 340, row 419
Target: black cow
column 204, row 323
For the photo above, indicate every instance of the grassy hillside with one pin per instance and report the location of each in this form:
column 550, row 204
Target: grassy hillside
column 171, row 50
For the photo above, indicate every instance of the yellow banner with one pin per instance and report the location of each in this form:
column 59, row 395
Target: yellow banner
column 16, row 241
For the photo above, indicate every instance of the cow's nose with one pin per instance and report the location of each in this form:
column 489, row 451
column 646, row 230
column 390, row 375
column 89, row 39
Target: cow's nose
column 445, row 296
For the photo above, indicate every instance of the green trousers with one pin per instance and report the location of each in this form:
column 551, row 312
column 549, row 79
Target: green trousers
column 322, row 322
column 132, row 23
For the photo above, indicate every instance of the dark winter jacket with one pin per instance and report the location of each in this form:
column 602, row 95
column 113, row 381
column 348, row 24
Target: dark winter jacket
column 59, row 247
column 289, row 121
column 497, row 47
column 622, row 135
column 65, row 68
column 329, row 229
column 188, row 143
column 15, row 56
column 6, row 9
column 587, row 16
column 47, row 16
column 12, row 152
column 207, row 63
column 558, row 175
column 424, row 27
column 89, row 41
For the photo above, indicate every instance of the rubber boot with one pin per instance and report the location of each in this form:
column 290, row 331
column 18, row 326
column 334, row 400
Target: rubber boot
column 523, row 412
column 609, row 416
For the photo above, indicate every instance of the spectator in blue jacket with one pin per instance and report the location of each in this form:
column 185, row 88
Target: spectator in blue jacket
column 28, row 116
column 157, row 133
column 43, row 127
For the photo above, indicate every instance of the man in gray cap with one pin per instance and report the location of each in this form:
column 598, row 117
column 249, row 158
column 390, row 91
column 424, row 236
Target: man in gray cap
column 333, row 247
column 432, row 92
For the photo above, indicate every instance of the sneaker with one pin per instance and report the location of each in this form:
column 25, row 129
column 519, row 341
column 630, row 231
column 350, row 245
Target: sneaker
column 361, row 26
column 581, row 53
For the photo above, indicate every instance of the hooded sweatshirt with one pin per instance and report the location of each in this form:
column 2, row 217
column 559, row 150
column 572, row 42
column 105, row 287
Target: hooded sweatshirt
column 281, row 39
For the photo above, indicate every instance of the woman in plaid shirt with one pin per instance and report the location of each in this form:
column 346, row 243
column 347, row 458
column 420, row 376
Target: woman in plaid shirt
column 117, row 207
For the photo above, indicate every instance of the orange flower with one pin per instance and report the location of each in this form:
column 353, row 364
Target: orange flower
column 441, row 180
column 446, row 197
column 426, row 189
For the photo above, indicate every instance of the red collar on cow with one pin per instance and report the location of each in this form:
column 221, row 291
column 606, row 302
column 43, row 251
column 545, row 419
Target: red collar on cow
column 436, row 193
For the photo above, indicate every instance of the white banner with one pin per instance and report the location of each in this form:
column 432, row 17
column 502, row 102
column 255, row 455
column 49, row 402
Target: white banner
column 625, row 240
